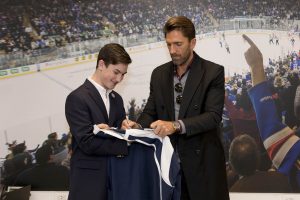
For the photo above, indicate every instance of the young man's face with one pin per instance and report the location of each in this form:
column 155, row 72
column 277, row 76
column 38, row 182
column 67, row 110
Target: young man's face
column 111, row 75
column 180, row 48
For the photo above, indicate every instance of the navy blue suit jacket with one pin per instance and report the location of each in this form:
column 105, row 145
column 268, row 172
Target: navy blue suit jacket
column 85, row 108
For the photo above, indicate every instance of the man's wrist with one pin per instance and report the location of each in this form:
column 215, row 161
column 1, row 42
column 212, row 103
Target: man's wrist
column 176, row 126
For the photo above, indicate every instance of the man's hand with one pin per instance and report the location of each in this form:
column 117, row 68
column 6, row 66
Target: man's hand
column 254, row 59
column 103, row 126
column 163, row 128
column 128, row 124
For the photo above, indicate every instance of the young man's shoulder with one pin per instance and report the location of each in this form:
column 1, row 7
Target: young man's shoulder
column 77, row 91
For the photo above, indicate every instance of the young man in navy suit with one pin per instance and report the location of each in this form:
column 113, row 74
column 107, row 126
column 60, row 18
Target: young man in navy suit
column 89, row 108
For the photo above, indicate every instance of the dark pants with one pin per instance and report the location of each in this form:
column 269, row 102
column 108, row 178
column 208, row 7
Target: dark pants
column 184, row 189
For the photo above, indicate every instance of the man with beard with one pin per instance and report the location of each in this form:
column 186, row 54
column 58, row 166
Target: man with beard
column 186, row 102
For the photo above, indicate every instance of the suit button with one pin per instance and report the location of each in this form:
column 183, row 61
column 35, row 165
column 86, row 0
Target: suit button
column 196, row 107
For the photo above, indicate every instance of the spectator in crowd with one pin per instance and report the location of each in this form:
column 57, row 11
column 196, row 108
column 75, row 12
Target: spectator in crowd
column 287, row 96
column 68, row 143
column 66, row 162
column 15, row 149
column 45, row 175
column 10, row 146
column 244, row 158
column 186, row 102
column 242, row 115
column 14, row 166
column 297, row 103
column 52, row 140
column 60, row 151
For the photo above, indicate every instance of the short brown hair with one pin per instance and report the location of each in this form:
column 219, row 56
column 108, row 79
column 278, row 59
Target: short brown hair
column 244, row 155
column 181, row 23
column 113, row 53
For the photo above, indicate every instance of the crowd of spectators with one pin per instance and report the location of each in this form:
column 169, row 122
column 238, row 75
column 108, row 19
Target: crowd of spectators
column 13, row 34
column 29, row 25
column 222, row 9
column 45, row 168
column 240, row 118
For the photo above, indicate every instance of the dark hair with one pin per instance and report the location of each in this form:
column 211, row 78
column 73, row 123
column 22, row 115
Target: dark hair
column 244, row 155
column 43, row 154
column 113, row 54
column 19, row 148
column 52, row 135
column 182, row 24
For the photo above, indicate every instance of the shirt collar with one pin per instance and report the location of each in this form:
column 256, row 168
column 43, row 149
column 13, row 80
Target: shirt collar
column 99, row 87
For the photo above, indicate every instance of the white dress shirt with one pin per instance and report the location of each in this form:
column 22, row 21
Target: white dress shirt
column 105, row 97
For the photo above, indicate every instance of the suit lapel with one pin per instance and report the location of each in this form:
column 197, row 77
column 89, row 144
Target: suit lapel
column 167, row 90
column 94, row 94
column 191, row 85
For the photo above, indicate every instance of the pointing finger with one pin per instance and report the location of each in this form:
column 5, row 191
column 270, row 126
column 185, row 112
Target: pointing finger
column 249, row 41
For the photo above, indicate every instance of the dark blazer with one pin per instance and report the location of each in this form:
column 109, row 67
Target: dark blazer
column 85, row 108
column 200, row 149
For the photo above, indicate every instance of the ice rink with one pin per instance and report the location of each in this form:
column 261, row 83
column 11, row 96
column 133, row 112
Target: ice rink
column 32, row 105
